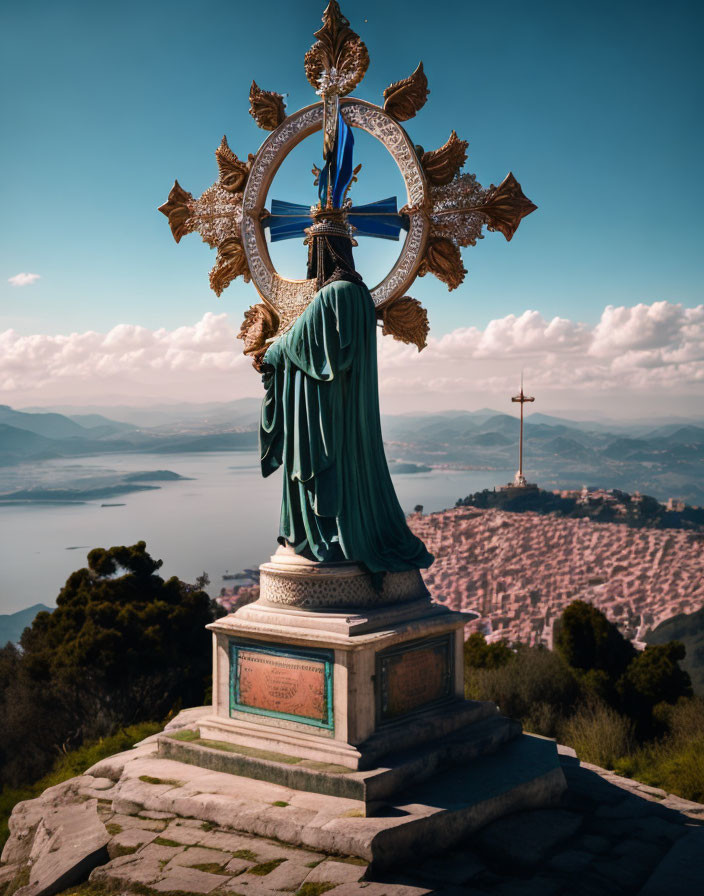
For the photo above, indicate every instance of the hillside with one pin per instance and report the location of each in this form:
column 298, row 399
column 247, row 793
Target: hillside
column 661, row 460
column 519, row 570
column 13, row 624
column 689, row 629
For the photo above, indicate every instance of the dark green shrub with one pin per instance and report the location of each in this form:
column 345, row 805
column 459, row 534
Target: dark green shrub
column 587, row 640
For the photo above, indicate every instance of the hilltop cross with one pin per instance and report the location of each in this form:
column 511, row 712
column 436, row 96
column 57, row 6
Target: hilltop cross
column 522, row 398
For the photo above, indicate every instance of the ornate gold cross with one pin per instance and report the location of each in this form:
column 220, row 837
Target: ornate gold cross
column 446, row 210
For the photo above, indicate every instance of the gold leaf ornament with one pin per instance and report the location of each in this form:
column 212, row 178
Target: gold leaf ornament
column 441, row 165
column 233, row 172
column 231, row 262
column 266, row 107
column 338, row 60
column 505, row 206
column 442, row 258
column 179, row 211
column 406, row 320
column 259, row 324
column 403, row 99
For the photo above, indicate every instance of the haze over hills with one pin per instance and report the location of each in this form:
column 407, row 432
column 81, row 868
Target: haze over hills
column 661, row 458
column 13, row 624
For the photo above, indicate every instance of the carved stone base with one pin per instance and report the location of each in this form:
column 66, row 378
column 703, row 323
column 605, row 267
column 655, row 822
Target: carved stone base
column 291, row 580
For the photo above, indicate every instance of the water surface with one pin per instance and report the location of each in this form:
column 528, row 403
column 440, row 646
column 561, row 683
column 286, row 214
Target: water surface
column 224, row 518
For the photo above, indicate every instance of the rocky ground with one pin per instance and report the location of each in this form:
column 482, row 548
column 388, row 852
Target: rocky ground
column 611, row 835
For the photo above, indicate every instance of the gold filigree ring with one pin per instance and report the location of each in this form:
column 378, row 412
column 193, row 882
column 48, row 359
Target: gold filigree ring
column 287, row 297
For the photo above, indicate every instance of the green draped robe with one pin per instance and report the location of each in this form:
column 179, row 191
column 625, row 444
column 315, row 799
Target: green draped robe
column 320, row 421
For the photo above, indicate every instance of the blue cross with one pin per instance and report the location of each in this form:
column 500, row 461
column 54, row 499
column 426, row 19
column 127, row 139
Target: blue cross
column 288, row 220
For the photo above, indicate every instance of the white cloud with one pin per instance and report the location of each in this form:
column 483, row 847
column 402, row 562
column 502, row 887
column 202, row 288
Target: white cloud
column 643, row 353
column 128, row 360
column 23, row 279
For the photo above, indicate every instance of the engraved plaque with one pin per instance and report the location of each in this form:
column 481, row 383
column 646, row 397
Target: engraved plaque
column 283, row 683
column 414, row 675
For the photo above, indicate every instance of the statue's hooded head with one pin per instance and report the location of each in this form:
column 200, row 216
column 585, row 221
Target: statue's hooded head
column 330, row 244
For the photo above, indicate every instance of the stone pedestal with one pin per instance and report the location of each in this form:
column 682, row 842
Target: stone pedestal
column 326, row 668
column 330, row 685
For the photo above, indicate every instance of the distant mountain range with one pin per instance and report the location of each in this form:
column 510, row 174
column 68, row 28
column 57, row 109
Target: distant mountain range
column 13, row 624
column 661, row 458
column 38, row 435
column 663, row 461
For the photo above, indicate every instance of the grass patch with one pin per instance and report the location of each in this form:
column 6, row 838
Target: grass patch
column 210, row 867
column 119, row 850
column 185, row 734
column 315, row 889
column 351, row 860
column 313, row 864
column 265, row 868
column 72, row 764
column 245, row 854
column 249, row 751
column 280, row 803
column 21, row 880
column 113, row 828
column 171, row 781
column 675, row 768
column 207, row 826
column 163, row 841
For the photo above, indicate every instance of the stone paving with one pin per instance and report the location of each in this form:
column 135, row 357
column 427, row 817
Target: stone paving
column 610, row 835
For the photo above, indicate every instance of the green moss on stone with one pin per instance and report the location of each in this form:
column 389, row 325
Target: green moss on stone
column 119, row 850
column 245, row 854
column 265, row 868
column 184, row 734
column 163, row 841
column 280, row 803
column 210, row 867
column 171, row 781
column 248, row 751
column 113, row 828
column 315, row 889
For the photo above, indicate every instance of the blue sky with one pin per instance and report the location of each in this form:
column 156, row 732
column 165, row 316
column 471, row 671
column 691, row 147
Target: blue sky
column 596, row 107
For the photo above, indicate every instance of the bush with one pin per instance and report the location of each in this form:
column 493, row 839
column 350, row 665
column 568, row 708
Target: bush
column 598, row 733
column 480, row 655
column 535, row 685
column 587, row 640
column 676, row 761
column 653, row 677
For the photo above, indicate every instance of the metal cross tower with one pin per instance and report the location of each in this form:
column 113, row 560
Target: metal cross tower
column 520, row 479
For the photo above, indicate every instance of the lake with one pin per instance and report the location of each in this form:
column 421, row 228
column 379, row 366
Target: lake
column 224, row 518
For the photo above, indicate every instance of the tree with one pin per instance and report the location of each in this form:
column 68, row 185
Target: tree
column 652, row 678
column 122, row 646
column 480, row 655
column 587, row 640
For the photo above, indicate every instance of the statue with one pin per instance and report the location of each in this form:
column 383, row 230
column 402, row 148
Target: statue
column 345, row 662
column 314, row 340
column 320, row 421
